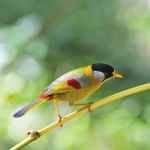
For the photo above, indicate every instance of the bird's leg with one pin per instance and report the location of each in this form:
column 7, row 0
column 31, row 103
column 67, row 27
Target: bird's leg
column 58, row 112
column 83, row 104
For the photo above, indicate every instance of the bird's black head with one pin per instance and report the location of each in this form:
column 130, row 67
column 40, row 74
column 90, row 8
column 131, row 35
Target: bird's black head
column 104, row 68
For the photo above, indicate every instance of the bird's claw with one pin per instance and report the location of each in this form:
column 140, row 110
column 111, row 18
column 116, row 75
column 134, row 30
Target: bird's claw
column 89, row 106
column 59, row 120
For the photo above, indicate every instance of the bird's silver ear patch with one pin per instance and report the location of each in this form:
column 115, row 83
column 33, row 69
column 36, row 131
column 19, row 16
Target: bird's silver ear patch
column 99, row 76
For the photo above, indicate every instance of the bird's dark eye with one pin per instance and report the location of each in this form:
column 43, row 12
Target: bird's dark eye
column 108, row 75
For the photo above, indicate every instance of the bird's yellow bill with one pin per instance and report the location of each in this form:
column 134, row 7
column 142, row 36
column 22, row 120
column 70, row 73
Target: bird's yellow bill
column 117, row 75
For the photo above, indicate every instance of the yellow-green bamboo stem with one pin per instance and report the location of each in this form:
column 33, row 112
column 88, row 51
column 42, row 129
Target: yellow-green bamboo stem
column 33, row 135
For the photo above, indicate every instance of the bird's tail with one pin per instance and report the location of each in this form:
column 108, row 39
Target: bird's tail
column 28, row 107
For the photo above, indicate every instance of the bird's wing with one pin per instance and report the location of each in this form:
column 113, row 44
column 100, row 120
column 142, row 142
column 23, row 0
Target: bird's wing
column 67, row 83
column 66, row 86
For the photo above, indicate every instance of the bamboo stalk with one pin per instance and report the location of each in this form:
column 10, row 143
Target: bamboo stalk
column 34, row 135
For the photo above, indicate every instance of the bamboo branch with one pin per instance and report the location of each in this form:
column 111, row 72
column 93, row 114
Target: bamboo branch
column 34, row 135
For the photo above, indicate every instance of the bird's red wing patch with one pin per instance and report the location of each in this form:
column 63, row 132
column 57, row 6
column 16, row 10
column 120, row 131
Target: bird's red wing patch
column 74, row 83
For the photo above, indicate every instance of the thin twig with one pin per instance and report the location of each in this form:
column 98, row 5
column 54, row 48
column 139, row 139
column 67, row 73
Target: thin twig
column 33, row 135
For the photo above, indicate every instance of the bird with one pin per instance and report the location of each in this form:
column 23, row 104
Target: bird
column 73, row 86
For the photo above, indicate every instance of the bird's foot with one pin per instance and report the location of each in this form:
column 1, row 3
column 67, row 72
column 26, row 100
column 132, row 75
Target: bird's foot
column 59, row 120
column 34, row 134
column 89, row 106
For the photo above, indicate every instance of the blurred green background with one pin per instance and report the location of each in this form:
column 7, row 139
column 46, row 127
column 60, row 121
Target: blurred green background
column 40, row 40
